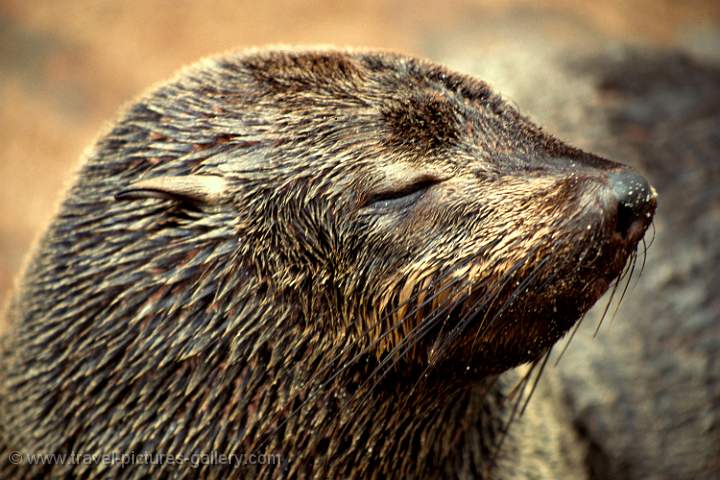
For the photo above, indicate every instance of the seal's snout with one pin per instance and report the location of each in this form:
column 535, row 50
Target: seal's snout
column 636, row 202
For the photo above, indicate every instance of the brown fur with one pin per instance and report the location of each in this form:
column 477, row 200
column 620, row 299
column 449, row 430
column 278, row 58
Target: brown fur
column 382, row 239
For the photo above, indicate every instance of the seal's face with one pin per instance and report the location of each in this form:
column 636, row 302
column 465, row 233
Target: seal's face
column 475, row 237
column 405, row 206
column 489, row 269
column 468, row 234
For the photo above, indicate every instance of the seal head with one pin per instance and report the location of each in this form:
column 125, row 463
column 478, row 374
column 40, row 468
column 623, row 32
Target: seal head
column 451, row 226
column 277, row 219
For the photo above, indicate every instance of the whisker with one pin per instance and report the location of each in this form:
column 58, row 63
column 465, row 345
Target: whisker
column 537, row 379
column 416, row 335
column 574, row 330
column 627, row 284
column 642, row 265
column 576, row 327
column 517, row 291
column 607, row 307
column 495, row 294
column 652, row 240
column 516, row 396
column 465, row 320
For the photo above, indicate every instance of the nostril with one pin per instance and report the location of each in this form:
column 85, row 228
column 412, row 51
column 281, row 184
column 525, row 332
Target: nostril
column 636, row 202
column 625, row 219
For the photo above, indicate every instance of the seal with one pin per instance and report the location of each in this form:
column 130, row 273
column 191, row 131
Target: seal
column 327, row 256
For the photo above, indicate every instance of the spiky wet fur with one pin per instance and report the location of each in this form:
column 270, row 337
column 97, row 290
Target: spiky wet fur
column 298, row 314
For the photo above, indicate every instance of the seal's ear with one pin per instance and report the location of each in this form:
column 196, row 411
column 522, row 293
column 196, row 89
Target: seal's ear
column 202, row 189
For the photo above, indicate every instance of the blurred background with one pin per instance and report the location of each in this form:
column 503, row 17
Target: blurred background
column 67, row 67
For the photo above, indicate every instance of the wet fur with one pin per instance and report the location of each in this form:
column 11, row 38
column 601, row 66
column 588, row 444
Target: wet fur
column 294, row 315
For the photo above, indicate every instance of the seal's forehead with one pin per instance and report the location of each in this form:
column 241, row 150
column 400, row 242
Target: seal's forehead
column 426, row 121
column 400, row 103
column 416, row 105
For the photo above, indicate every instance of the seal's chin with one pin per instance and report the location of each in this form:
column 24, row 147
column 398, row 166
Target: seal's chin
column 522, row 323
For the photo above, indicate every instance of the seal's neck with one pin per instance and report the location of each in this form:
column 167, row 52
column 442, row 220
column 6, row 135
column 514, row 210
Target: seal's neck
column 361, row 427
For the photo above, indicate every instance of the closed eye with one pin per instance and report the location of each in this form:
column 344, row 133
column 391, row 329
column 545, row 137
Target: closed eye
column 401, row 197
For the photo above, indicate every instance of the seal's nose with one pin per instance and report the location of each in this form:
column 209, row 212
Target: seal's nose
column 636, row 203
